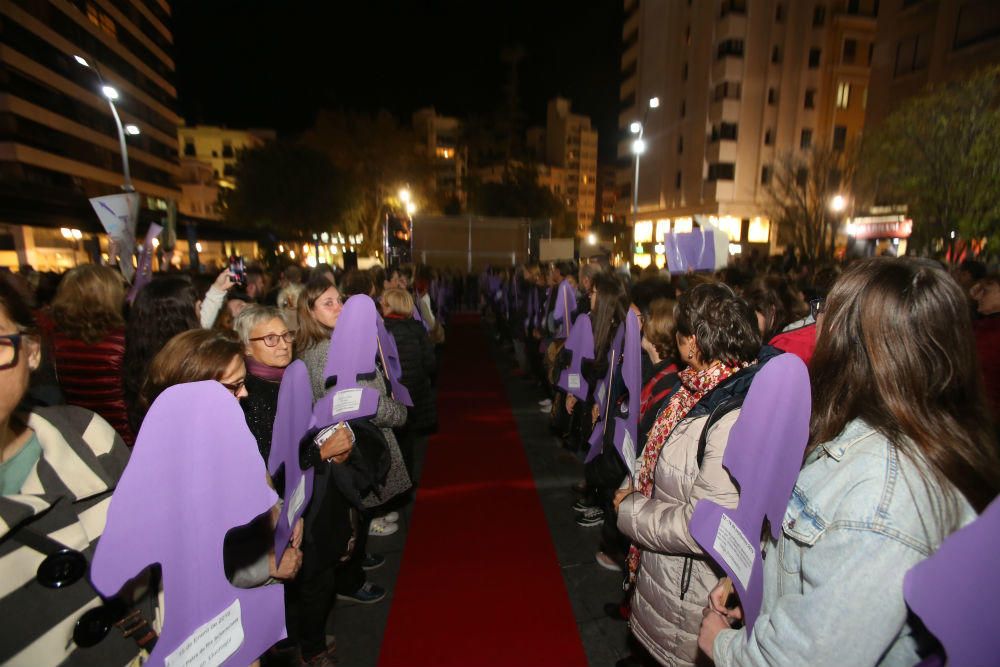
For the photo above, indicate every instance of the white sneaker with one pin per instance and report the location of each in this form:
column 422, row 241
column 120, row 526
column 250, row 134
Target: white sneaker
column 381, row 528
column 391, row 517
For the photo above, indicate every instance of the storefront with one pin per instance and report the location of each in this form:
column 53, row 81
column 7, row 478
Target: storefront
column 745, row 235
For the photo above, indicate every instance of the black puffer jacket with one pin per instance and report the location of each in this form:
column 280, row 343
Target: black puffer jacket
column 416, row 356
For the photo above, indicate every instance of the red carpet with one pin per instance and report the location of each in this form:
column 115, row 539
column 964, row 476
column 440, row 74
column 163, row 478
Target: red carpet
column 479, row 584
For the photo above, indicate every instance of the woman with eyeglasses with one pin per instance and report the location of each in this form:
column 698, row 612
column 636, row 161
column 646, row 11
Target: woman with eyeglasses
column 267, row 351
column 58, row 468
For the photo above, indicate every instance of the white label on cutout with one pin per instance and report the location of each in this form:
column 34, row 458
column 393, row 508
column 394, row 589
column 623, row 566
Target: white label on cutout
column 297, row 500
column 735, row 549
column 628, row 450
column 600, row 397
column 573, row 381
column 212, row 643
column 346, row 400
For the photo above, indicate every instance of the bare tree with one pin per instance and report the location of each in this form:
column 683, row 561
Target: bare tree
column 801, row 188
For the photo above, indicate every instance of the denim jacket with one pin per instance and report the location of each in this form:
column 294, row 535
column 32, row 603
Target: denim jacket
column 861, row 515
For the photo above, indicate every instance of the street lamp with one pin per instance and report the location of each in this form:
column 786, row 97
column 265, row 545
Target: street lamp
column 404, row 196
column 838, row 203
column 111, row 94
column 638, row 148
column 592, row 238
column 411, row 208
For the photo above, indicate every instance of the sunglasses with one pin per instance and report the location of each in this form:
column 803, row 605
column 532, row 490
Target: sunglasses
column 272, row 339
column 10, row 347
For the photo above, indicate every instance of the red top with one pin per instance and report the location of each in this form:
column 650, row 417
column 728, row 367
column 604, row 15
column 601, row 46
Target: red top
column 90, row 376
column 801, row 342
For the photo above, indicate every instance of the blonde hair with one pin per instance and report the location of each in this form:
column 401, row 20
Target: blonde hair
column 89, row 303
column 660, row 329
column 397, row 301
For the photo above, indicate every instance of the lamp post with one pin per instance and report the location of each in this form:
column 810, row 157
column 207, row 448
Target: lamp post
column 638, row 148
column 111, row 94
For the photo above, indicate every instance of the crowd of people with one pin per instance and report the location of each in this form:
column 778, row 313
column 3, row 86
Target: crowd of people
column 902, row 447
column 903, row 362
column 81, row 367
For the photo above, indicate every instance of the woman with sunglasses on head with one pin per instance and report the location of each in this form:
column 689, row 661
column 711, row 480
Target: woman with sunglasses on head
column 267, row 351
column 58, row 467
column 901, row 454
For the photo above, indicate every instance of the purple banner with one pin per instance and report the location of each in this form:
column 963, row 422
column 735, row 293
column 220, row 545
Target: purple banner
column 763, row 455
column 195, row 473
column 291, row 422
column 603, row 395
column 700, row 250
column 950, row 590
column 145, row 271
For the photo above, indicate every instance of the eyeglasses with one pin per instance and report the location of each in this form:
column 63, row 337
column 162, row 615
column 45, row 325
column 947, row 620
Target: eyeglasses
column 272, row 339
column 234, row 388
column 10, row 345
column 816, row 307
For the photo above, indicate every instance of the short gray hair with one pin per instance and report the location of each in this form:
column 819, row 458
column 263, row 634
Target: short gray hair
column 251, row 316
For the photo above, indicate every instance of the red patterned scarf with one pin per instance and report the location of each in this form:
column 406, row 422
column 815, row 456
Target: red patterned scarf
column 694, row 386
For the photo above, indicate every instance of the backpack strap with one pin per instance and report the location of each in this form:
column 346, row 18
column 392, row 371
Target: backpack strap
column 717, row 413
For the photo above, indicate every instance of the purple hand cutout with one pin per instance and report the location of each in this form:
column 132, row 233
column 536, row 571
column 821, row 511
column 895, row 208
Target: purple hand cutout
column 353, row 347
column 581, row 346
column 763, row 455
column 291, row 422
column 603, row 395
column 951, row 591
column 565, row 308
column 627, row 428
column 194, row 474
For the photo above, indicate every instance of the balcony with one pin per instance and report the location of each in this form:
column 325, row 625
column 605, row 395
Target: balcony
column 726, row 109
column 721, row 150
column 727, row 68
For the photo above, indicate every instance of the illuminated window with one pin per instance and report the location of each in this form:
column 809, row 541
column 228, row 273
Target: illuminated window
column 445, row 153
column 843, row 95
column 683, row 225
column 643, row 231
column 662, row 227
column 759, row 230
column 642, row 260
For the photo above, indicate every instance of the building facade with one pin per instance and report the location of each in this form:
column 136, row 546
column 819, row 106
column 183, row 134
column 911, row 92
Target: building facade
column 439, row 136
column 739, row 84
column 921, row 42
column 58, row 141
column 571, row 145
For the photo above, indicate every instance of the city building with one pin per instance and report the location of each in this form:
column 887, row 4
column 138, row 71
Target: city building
column 219, row 147
column 607, row 193
column 439, row 136
column 59, row 143
column 571, row 144
column 923, row 43
column 737, row 85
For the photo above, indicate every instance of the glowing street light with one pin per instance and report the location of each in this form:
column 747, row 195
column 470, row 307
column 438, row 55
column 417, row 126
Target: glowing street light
column 638, row 146
column 110, row 92
column 592, row 238
column 654, row 102
column 838, row 204
column 404, row 196
column 132, row 130
column 635, row 127
column 411, row 208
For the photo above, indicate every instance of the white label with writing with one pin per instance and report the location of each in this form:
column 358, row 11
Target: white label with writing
column 735, row 549
column 212, row 643
column 573, row 381
column 600, row 395
column 346, row 400
column 628, row 452
column 297, row 500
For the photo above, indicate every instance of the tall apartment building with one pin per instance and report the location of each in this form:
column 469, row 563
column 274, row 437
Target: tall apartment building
column 208, row 162
column 439, row 137
column 739, row 84
column 920, row 42
column 571, row 144
column 58, row 141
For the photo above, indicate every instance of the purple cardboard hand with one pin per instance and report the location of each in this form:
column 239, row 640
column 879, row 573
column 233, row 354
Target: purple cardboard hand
column 763, row 455
column 194, row 474
column 627, row 428
column 353, row 348
column 603, row 395
column 952, row 591
column 581, row 346
column 564, row 309
column 390, row 362
column 290, row 425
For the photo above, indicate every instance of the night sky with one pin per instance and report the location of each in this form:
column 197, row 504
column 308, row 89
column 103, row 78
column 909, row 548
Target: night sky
column 275, row 64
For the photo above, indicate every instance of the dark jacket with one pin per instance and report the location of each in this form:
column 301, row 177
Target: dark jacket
column 260, row 406
column 416, row 356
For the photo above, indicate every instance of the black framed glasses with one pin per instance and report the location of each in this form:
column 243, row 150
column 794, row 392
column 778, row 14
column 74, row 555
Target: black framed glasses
column 272, row 339
column 10, row 347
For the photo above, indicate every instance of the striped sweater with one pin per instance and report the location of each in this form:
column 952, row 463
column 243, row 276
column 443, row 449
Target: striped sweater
column 66, row 497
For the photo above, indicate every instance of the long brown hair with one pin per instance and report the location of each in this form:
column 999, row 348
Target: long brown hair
column 311, row 332
column 190, row 356
column 89, row 303
column 895, row 349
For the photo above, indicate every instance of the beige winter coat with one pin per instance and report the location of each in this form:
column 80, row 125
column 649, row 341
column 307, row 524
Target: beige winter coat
column 665, row 624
